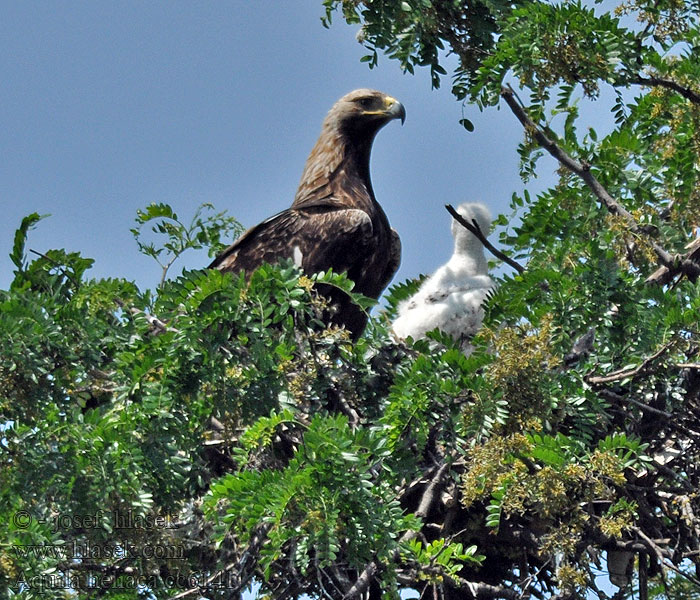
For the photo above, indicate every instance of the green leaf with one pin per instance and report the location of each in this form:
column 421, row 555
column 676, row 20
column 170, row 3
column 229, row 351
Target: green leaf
column 467, row 124
column 28, row 222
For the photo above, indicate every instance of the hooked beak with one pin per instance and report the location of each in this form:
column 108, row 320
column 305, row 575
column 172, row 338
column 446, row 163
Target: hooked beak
column 394, row 109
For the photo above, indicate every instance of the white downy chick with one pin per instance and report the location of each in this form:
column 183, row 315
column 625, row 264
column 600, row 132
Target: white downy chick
column 451, row 298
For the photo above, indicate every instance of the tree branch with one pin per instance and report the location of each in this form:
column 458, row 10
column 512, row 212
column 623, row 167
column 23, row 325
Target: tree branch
column 628, row 373
column 687, row 264
column 476, row 589
column 484, row 591
column 661, row 554
column 583, row 171
column 474, row 228
column 695, row 366
column 686, row 92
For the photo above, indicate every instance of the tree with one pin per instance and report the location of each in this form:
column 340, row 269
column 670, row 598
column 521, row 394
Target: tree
column 214, row 433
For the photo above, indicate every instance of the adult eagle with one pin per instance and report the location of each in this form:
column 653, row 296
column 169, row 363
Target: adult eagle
column 335, row 222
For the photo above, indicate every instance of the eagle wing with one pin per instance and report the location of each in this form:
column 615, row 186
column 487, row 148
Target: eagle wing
column 316, row 237
column 394, row 259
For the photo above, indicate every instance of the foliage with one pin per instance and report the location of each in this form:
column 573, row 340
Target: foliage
column 213, row 433
column 202, row 232
column 414, row 31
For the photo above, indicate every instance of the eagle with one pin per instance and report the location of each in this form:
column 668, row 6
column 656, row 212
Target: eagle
column 335, row 221
column 451, row 298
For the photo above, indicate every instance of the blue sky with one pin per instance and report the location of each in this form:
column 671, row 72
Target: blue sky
column 109, row 106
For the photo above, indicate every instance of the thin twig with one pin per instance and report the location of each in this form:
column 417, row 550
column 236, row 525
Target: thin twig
column 155, row 323
column 610, row 395
column 59, row 266
column 474, row 228
column 643, row 578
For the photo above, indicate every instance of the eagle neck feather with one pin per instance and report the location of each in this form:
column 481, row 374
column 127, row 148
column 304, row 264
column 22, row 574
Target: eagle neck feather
column 337, row 172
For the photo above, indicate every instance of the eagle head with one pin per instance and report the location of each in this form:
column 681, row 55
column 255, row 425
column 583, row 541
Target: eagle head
column 471, row 212
column 363, row 112
column 340, row 159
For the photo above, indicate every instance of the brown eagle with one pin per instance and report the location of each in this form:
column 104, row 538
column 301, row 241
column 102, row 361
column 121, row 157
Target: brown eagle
column 335, row 221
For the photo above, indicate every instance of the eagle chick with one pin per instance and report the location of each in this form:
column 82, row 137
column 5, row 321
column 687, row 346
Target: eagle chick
column 450, row 299
column 335, row 222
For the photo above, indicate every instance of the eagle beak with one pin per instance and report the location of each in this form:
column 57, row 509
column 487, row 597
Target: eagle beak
column 394, row 109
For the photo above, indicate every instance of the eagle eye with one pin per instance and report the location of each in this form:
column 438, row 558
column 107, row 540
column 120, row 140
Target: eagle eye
column 366, row 102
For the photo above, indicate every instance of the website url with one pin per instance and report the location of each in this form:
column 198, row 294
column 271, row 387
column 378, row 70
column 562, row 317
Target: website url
column 88, row 550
